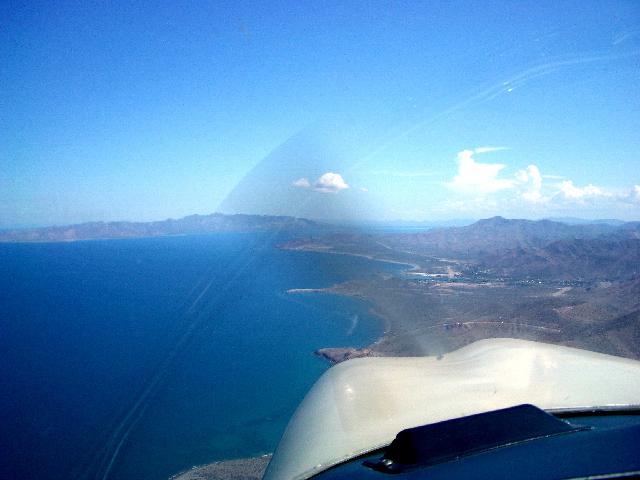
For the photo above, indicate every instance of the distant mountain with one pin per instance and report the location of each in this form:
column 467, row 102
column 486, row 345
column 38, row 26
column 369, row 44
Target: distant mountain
column 193, row 224
column 494, row 235
column 525, row 249
column 407, row 225
column 583, row 221
column 628, row 230
column 603, row 258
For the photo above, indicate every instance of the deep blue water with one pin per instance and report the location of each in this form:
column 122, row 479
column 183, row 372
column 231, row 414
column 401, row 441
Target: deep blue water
column 139, row 358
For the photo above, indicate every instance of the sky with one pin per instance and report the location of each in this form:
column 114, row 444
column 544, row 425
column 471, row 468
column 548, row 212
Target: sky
column 332, row 110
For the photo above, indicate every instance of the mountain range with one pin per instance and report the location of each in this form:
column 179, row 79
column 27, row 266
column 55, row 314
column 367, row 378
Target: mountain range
column 507, row 247
column 497, row 234
column 536, row 249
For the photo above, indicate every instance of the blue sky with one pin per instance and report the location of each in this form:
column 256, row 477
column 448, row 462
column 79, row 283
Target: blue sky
column 416, row 110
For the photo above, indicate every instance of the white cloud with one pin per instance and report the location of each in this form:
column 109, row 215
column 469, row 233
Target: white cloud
column 327, row 183
column 330, row 183
column 476, row 177
column 571, row 192
column 364, row 189
column 486, row 189
column 302, row 183
column 532, row 179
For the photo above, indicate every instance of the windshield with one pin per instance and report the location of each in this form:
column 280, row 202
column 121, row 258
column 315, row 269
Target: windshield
column 204, row 206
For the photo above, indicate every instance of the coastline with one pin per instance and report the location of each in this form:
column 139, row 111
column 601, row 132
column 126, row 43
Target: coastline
column 336, row 355
column 412, row 266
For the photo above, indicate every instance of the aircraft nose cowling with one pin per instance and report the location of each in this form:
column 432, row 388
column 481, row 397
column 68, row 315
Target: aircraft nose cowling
column 360, row 405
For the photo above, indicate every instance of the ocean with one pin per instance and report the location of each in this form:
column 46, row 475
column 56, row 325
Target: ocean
column 139, row 358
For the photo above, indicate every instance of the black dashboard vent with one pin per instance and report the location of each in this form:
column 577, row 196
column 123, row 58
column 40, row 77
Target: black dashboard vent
column 451, row 439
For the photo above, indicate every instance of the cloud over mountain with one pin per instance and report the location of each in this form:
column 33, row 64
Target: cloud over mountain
column 570, row 191
column 532, row 180
column 483, row 188
column 478, row 178
column 329, row 182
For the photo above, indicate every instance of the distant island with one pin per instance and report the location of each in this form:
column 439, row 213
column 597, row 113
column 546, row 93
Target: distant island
column 190, row 225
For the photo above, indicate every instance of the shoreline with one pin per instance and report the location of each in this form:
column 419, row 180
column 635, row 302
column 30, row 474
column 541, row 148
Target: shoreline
column 412, row 266
column 335, row 355
column 253, row 468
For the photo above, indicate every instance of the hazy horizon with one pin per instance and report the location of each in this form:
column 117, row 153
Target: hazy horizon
column 349, row 222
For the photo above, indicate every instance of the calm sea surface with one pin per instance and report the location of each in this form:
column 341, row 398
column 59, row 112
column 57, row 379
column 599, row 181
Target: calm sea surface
column 139, row 358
